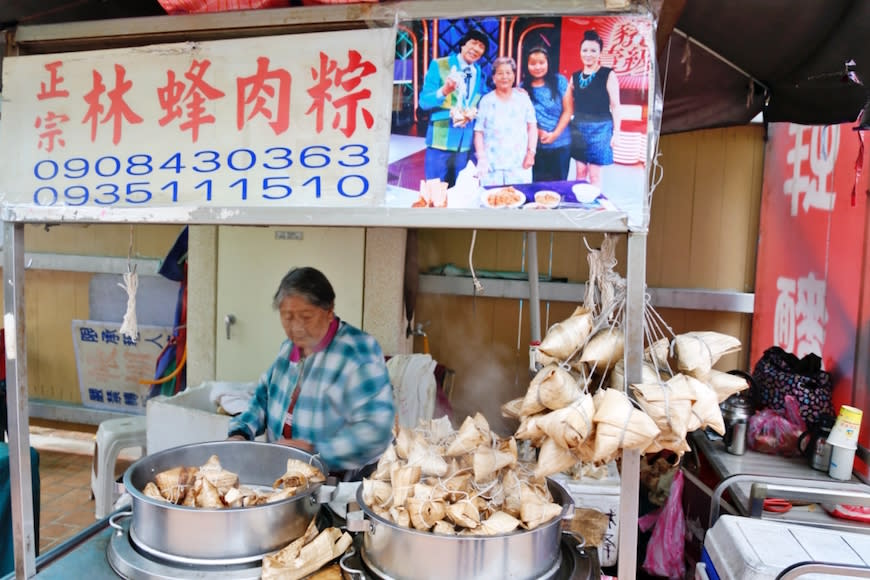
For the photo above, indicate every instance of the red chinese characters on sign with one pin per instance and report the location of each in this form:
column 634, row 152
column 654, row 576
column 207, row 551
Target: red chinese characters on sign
column 192, row 95
column 52, row 90
column 266, row 93
column 328, row 79
column 337, row 98
column 118, row 110
column 628, row 50
column 50, row 132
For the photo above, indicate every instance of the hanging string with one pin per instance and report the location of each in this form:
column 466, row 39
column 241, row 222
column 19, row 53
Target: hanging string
column 594, row 262
column 129, row 326
column 478, row 287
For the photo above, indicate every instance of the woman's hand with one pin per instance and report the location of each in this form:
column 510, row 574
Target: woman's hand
column 297, row 443
column 529, row 159
column 546, row 137
column 614, row 139
column 237, row 438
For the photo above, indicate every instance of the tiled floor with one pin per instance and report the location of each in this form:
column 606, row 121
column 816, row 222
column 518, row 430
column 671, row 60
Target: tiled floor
column 65, row 459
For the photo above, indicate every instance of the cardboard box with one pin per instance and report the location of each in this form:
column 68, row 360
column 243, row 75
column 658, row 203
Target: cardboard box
column 188, row 417
column 601, row 495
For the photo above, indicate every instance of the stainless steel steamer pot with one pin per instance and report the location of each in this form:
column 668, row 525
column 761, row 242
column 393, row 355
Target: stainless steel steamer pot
column 407, row 554
column 229, row 536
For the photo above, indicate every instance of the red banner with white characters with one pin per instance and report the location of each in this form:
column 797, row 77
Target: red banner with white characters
column 811, row 249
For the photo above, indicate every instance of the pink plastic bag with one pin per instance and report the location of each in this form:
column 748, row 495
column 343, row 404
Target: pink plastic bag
column 776, row 432
column 664, row 553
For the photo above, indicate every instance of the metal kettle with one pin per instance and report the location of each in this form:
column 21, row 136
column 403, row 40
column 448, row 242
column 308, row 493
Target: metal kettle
column 736, row 411
column 814, row 443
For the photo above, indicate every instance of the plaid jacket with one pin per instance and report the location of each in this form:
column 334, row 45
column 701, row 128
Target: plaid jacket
column 345, row 408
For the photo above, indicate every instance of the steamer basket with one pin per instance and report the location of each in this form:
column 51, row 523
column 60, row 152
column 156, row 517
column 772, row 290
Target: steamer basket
column 221, row 536
column 408, row 554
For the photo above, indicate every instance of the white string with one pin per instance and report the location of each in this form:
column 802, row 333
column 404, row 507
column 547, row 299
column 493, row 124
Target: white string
column 129, row 325
column 478, row 287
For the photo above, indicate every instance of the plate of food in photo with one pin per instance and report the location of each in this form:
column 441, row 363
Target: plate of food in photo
column 548, row 198
column 503, row 197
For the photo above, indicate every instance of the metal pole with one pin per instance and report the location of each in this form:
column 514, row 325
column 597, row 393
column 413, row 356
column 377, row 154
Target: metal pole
column 534, row 296
column 861, row 382
column 629, row 490
column 16, row 393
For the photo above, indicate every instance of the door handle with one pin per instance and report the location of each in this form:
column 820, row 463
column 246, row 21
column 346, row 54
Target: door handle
column 229, row 320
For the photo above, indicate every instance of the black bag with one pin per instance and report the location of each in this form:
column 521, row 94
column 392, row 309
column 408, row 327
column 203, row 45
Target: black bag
column 779, row 373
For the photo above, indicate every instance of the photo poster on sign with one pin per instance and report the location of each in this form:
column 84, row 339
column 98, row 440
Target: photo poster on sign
column 533, row 112
column 275, row 121
column 110, row 365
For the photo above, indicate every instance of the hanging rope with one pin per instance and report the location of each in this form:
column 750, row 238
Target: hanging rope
column 129, row 326
column 478, row 287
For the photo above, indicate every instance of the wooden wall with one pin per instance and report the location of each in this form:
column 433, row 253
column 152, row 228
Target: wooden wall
column 53, row 299
column 703, row 232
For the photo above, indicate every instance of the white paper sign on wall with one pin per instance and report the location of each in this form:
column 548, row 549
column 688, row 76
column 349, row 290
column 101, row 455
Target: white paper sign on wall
column 110, row 365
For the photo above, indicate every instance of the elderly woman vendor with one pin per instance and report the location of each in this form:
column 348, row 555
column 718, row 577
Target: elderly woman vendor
column 328, row 392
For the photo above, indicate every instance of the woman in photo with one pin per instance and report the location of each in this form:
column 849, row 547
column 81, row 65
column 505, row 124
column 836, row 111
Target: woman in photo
column 505, row 132
column 551, row 96
column 595, row 126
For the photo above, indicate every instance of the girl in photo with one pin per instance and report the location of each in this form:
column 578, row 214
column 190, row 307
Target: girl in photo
column 551, row 97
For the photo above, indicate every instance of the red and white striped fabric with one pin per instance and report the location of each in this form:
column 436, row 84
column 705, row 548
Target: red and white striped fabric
column 630, row 148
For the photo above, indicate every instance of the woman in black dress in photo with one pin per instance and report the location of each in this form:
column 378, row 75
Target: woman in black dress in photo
column 595, row 125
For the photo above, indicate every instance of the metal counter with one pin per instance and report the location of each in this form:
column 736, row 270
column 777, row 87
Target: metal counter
column 86, row 561
column 81, row 556
column 753, row 463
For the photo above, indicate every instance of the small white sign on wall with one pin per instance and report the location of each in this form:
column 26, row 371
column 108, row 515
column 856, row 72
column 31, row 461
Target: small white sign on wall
column 110, row 365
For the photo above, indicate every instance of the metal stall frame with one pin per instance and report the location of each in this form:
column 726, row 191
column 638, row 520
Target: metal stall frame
column 140, row 31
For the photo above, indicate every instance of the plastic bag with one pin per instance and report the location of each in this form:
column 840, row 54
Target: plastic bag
column 664, row 553
column 776, row 432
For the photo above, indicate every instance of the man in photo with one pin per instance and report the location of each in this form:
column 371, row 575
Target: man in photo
column 451, row 91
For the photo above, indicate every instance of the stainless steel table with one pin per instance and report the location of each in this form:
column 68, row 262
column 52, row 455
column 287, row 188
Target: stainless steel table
column 753, row 463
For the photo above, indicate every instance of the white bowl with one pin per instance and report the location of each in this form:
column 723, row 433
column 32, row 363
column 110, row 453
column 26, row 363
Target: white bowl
column 586, row 192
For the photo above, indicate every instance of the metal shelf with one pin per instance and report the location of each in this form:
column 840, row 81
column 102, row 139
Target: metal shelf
column 192, row 28
column 502, row 219
column 682, row 298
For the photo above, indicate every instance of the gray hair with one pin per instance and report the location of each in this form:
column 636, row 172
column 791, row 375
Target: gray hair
column 308, row 283
column 504, row 60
